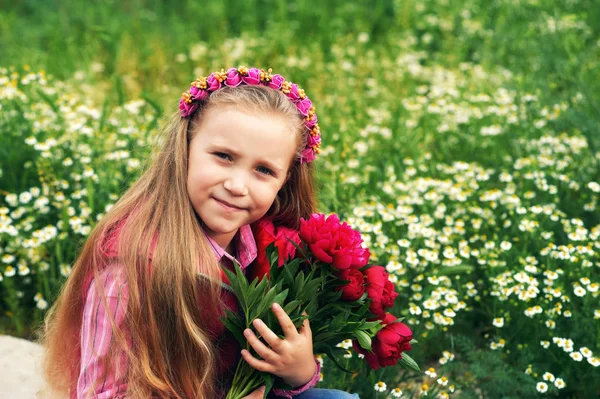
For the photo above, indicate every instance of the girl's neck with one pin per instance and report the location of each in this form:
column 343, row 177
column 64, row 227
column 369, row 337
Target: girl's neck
column 230, row 248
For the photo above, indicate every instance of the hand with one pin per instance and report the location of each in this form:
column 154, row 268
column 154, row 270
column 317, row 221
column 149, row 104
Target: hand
column 258, row 394
column 291, row 358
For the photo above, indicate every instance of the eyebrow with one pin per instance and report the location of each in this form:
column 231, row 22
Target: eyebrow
column 269, row 164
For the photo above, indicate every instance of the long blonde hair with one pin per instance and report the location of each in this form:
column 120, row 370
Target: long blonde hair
column 173, row 355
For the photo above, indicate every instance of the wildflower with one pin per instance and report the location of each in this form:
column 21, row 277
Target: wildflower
column 380, row 386
column 577, row 356
column 23, row 270
column 594, row 361
column 559, row 383
column 42, row 304
column 443, row 381
column 498, row 322
column 585, row 352
column 396, row 392
column 443, row 395
column 548, row 376
column 10, row 271
column 541, row 387
column 431, row 372
column 579, row 291
column 8, row 258
column 545, row 344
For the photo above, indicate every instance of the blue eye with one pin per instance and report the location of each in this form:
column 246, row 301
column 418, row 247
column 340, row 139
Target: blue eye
column 222, row 155
column 265, row 170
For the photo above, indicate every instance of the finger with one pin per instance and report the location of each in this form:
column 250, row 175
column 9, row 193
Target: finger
column 257, row 394
column 267, row 334
column 261, row 349
column 289, row 330
column 255, row 363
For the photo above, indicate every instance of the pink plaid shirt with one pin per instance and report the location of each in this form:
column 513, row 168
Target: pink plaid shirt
column 99, row 380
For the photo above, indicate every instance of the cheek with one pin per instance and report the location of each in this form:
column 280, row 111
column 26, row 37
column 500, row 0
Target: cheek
column 265, row 195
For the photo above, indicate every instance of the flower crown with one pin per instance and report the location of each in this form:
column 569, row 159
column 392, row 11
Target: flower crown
column 203, row 86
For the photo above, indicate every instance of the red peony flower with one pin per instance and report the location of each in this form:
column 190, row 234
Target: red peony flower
column 333, row 242
column 265, row 233
column 380, row 290
column 388, row 345
column 356, row 286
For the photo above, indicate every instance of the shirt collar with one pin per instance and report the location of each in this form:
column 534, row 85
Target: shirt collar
column 245, row 246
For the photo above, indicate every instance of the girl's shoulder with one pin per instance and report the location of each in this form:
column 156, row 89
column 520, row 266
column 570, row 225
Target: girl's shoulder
column 113, row 280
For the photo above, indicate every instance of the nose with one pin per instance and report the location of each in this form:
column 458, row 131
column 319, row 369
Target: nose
column 236, row 184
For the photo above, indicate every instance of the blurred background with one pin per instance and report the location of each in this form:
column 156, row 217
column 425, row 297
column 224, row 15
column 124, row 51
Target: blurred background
column 460, row 137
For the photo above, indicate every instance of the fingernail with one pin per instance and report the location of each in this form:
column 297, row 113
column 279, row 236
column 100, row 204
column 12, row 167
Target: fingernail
column 247, row 332
column 276, row 305
column 256, row 322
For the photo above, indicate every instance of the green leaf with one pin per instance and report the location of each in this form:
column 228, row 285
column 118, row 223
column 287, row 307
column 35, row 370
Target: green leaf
column 408, row 362
column 363, row 339
column 269, row 380
column 236, row 286
column 235, row 324
column 328, row 350
column 257, row 292
column 291, row 306
column 413, row 341
column 279, row 298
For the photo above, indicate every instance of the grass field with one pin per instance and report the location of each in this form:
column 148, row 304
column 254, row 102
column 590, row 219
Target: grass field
column 461, row 138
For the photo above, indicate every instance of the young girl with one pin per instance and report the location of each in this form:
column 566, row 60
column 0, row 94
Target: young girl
column 139, row 315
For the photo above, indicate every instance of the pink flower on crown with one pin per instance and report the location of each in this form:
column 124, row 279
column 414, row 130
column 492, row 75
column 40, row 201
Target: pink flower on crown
column 233, row 78
column 293, row 94
column 311, row 122
column 187, row 109
column 276, row 82
column 198, row 94
column 212, row 83
column 304, row 106
column 253, row 77
column 313, row 140
column 308, row 155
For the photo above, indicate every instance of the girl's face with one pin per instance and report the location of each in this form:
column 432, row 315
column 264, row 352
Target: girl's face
column 237, row 163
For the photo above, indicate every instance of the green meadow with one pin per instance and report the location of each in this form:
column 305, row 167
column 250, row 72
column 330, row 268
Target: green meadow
column 460, row 137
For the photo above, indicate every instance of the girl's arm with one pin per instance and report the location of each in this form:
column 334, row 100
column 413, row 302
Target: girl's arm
column 101, row 376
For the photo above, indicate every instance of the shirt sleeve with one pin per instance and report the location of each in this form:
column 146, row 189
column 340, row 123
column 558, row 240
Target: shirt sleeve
column 102, row 376
column 297, row 391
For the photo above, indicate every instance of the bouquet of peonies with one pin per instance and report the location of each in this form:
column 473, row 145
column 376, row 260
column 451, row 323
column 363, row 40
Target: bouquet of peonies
column 320, row 272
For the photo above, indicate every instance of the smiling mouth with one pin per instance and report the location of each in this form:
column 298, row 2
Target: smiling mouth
column 227, row 205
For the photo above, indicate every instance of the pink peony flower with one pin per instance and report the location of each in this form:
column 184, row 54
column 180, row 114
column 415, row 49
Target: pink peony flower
column 233, row 78
column 355, row 287
column 388, row 345
column 265, row 233
column 253, row 77
column 333, row 242
column 304, row 106
column 380, row 290
column 212, row 83
column 276, row 82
